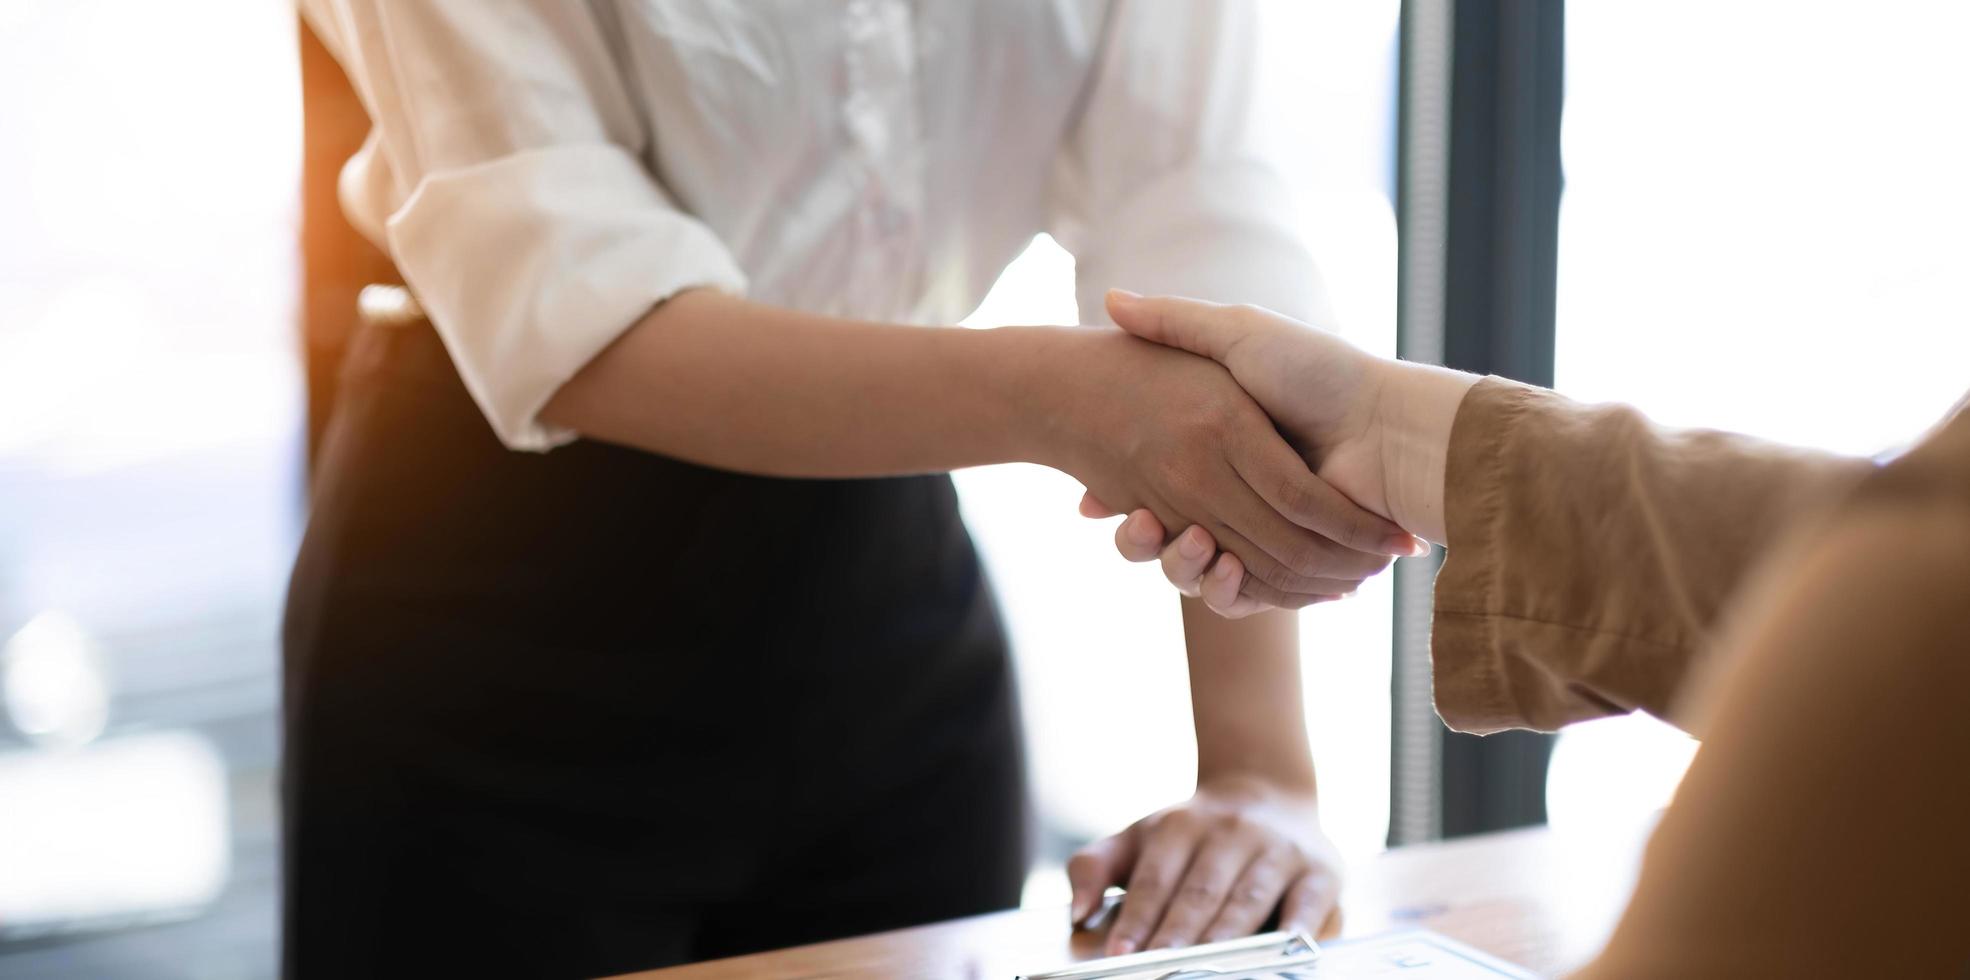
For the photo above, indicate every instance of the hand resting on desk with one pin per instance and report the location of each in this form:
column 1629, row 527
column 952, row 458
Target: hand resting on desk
column 1214, row 867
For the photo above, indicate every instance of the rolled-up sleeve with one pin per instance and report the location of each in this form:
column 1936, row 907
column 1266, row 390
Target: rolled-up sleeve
column 1163, row 184
column 525, row 219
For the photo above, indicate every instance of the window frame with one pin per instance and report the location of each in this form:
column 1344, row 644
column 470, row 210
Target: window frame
column 1478, row 194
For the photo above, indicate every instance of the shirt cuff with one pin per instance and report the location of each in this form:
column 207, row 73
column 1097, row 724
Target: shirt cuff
column 1469, row 683
column 531, row 264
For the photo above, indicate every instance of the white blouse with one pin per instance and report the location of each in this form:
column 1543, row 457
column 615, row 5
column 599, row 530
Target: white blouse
column 544, row 172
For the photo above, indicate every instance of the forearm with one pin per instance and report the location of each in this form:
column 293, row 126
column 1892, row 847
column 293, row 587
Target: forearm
column 725, row 382
column 1245, row 697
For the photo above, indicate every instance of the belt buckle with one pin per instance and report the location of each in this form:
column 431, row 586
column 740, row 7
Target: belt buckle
column 388, row 306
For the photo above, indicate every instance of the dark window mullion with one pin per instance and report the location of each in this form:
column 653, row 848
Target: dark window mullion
column 1480, row 190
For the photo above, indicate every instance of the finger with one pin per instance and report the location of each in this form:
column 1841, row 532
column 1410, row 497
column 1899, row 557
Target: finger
column 1165, row 856
column 1193, row 556
column 1268, row 597
column 1186, row 559
column 1220, row 589
column 1310, row 902
column 1095, row 867
column 1091, row 506
column 1204, row 889
column 1282, row 553
column 1256, row 894
column 1140, row 536
column 1271, row 466
column 1282, row 479
column 1267, row 578
column 1203, row 328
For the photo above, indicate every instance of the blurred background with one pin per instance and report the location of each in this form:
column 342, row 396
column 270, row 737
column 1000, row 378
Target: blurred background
column 1762, row 227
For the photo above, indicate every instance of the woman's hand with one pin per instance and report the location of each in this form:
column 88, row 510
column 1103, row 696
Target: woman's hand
column 1145, row 426
column 1375, row 429
column 1214, row 867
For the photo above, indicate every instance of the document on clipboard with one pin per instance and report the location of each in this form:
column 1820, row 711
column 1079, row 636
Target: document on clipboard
column 1407, row 955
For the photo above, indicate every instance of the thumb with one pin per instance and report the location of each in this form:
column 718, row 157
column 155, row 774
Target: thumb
column 1095, row 867
column 1207, row 329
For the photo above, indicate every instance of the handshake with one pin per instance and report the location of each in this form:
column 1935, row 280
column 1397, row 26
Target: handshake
column 1326, row 463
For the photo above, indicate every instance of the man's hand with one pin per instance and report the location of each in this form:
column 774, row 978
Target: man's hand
column 1214, row 867
column 1377, row 430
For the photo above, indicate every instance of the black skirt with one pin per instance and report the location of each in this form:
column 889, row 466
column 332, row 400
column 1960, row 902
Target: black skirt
column 597, row 710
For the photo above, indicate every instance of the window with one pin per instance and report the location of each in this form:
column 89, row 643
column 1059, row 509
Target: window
column 1762, row 230
column 150, row 466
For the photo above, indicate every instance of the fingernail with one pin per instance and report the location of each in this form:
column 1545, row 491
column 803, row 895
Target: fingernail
column 1407, row 545
column 1221, row 571
column 1121, row 947
column 1192, row 544
column 1141, row 532
column 1124, row 295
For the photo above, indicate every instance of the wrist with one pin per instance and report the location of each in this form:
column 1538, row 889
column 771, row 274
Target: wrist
column 1030, row 374
column 1294, row 784
column 1417, row 410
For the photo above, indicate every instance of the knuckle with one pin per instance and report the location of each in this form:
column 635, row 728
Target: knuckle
column 1199, row 895
column 1308, row 556
column 1225, row 410
column 1150, row 885
column 1258, row 591
column 1298, row 499
column 1179, row 474
column 1181, row 820
column 1277, row 578
column 1248, row 899
column 1081, row 865
column 1358, row 532
column 1280, row 853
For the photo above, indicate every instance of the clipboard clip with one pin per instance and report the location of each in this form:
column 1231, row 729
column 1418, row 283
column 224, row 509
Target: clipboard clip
column 1267, row 955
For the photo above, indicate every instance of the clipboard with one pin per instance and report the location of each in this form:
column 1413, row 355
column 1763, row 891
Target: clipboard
column 1411, row 954
column 1262, row 957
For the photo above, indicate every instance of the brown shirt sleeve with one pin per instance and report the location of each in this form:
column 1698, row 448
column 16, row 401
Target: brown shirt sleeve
column 1821, row 831
column 1590, row 551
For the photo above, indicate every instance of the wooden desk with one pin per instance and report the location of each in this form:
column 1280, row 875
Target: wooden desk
column 1541, row 899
